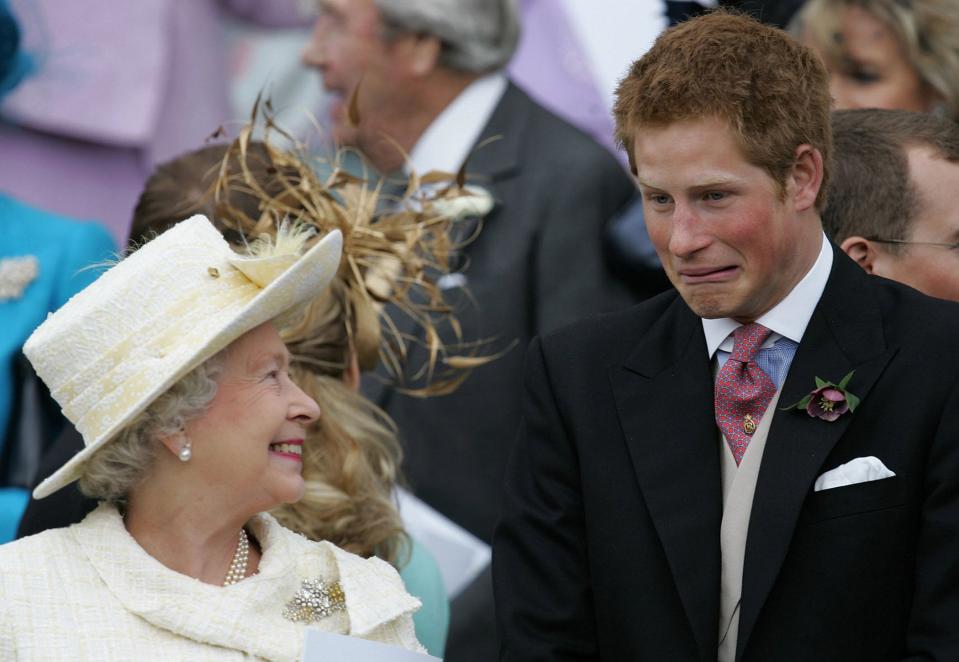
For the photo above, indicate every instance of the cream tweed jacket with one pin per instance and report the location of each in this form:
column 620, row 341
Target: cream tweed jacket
column 90, row 592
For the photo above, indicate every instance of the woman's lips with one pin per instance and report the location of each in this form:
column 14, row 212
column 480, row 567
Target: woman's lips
column 291, row 448
column 707, row 275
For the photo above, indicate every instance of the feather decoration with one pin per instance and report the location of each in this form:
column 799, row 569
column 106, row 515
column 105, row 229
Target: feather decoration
column 394, row 252
column 290, row 238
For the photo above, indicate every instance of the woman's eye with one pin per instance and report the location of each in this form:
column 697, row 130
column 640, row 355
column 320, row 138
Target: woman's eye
column 863, row 76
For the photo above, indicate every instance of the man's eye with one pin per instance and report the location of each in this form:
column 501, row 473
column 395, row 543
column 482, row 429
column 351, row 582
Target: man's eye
column 715, row 196
column 659, row 198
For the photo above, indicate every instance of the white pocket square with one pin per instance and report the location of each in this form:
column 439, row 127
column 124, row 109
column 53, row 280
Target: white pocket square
column 860, row 470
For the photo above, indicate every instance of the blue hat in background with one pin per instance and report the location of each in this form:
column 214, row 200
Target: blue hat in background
column 14, row 63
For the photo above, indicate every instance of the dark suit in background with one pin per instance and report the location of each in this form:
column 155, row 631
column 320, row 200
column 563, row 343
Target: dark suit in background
column 620, row 434
column 536, row 265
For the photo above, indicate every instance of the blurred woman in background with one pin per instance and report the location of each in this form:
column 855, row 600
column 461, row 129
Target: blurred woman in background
column 887, row 53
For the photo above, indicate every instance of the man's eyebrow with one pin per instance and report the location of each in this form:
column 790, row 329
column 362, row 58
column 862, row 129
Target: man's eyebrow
column 710, row 183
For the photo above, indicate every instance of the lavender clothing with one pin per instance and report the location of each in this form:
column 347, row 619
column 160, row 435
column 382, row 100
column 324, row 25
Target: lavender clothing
column 551, row 65
column 119, row 88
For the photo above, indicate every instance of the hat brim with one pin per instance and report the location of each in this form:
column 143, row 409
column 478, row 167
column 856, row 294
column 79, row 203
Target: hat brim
column 312, row 272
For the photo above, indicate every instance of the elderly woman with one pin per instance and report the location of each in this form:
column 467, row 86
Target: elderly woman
column 887, row 53
column 170, row 367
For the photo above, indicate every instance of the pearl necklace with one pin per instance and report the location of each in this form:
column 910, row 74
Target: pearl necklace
column 237, row 569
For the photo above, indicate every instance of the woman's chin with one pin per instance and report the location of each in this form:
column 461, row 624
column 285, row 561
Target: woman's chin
column 294, row 492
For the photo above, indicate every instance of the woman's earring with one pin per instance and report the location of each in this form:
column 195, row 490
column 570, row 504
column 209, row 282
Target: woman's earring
column 185, row 452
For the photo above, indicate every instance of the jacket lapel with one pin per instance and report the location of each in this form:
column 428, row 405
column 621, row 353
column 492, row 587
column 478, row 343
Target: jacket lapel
column 845, row 333
column 664, row 397
column 495, row 156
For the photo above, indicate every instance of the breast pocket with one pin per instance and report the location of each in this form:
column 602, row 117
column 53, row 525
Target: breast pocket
column 855, row 499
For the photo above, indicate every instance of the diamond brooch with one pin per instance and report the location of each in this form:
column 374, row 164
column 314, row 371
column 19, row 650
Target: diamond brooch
column 314, row 601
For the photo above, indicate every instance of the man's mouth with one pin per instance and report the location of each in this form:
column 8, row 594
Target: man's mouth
column 292, row 448
column 707, row 275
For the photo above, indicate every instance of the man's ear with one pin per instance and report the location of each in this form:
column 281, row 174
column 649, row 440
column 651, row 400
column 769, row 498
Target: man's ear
column 421, row 53
column 861, row 250
column 806, row 177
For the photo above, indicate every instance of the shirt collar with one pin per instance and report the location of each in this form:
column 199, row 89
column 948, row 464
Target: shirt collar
column 790, row 316
column 449, row 138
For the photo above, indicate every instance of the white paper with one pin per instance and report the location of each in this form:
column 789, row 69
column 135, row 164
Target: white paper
column 460, row 555
column 326, row 647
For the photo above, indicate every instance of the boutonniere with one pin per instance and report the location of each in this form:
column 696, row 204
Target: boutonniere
column 828, row 401
column 457, row 204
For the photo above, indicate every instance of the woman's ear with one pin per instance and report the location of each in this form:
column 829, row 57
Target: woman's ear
column 178, row 444
column 351, row 375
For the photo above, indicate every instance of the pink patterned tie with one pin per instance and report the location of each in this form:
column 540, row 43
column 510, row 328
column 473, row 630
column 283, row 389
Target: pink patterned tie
column 743, row 390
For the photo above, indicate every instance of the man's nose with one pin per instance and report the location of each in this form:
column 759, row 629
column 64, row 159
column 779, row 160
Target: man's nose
column 687, row 235
column 314, row 53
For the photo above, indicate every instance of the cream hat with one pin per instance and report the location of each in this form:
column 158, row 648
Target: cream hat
column 148, row 321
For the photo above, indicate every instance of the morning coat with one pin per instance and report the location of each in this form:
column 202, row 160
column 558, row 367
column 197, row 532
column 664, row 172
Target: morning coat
column 609, row 547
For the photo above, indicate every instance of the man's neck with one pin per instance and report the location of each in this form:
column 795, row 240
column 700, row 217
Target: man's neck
column 387, row 146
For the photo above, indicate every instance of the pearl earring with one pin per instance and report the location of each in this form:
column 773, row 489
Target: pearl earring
column 185, row 453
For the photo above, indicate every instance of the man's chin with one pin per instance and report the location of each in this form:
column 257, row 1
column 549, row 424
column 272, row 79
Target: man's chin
column 709, row 307
column 344, row 134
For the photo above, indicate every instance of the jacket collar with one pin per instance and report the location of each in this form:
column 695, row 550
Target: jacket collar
column 246, row 616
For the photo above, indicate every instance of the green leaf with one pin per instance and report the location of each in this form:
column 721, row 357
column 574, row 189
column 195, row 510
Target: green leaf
column 852, row 400
column 845, row 381
column 821, row 383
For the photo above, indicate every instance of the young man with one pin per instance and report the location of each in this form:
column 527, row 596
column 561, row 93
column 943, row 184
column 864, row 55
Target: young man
column 664, row 500
column 891, row 199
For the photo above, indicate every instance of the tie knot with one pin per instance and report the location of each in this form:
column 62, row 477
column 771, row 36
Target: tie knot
column 747, row 340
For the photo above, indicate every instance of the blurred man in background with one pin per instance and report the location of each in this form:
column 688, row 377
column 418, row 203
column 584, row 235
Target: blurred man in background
column 891, row 200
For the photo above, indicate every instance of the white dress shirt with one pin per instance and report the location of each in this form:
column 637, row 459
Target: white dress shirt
column 449, row 138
